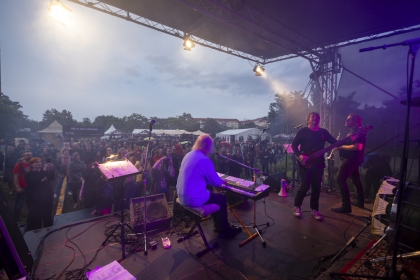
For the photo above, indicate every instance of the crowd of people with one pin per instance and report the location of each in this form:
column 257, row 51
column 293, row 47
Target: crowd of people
column 37, row 172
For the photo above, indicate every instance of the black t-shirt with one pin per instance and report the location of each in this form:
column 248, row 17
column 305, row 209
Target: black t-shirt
column 311, row 141
column 358, row 155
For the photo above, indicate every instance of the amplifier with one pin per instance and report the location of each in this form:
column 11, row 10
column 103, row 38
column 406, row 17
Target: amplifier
column 158, row 216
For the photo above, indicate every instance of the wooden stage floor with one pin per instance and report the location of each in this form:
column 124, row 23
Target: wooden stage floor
column 294, row 245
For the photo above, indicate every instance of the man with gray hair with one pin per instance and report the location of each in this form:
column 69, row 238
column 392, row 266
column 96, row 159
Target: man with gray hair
column 196, row 172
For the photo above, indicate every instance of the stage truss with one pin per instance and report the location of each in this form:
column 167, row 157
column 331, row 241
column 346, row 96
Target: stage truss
column 325, row 60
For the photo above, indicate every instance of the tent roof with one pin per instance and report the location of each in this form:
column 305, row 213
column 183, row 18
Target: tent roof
column 236, row 131
column 113, row 130
column 307, row 23
column 54, row 127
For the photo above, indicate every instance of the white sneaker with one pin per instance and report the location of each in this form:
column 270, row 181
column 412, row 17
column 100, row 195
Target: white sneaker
column 316, row 215
column 69, row 193
column 297, row 212
column 166, row 243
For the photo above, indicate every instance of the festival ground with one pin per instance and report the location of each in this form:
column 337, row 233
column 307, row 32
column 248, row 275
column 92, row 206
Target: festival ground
column 295, row 247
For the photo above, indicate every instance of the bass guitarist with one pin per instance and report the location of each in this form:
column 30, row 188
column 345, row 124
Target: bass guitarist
column 311, row 139
column 351, row 156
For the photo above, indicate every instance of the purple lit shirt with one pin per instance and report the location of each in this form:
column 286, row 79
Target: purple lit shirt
column 196, row 172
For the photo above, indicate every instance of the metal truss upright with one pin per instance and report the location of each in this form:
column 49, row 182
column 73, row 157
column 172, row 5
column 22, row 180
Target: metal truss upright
column 324, row 84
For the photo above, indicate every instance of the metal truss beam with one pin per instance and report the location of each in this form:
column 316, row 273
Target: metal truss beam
column 126, row 15
column 252, row 21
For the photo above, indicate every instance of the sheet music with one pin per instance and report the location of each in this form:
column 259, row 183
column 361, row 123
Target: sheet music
column 112, row 271
column 115, row 169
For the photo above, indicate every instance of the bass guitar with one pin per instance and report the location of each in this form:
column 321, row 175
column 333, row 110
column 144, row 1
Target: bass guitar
column 311, row 158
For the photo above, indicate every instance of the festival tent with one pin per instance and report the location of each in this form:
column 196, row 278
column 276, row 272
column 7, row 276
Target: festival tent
column 53, row 133
column 138, row 131
column 234, row 134
column 113, row 131
column 198, row 132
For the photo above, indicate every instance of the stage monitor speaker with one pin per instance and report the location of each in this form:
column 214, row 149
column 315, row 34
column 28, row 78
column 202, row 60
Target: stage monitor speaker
column 158, row 216
column 274, row 181
column 14, row 253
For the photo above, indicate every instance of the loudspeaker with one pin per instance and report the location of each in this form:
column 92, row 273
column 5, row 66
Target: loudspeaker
column 14, row 253
column 158, row 216
column 274, row 181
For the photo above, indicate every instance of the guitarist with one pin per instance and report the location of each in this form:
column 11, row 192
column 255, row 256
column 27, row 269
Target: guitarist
column 351, row 156
column 311, row 139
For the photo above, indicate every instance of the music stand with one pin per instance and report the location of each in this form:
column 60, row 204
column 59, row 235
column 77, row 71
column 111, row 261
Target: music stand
column 118, row 171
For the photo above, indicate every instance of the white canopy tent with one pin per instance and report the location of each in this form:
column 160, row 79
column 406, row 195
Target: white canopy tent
column 138, row 131
column 234, row 134
column 113, row 131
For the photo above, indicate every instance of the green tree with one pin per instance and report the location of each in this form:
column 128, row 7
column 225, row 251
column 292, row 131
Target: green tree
column 64, row 117
column 287, row 111
column 212, row 127
column 11, row 117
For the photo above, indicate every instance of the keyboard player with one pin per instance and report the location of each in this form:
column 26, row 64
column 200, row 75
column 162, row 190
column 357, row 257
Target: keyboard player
column 196, row 172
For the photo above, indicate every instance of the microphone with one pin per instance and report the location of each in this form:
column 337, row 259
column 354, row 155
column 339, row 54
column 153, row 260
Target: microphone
column 265, row 129
column 298, row 126
column 152, row 122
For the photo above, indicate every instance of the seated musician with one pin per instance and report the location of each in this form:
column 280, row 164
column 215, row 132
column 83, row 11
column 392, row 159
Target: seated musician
column 196, row 171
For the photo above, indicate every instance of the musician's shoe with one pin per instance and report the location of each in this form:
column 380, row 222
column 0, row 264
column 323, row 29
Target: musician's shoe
column 316, row 215
column 296, row 211
column 358, row 204
column 343, row 210
column 166, row 243
column 232, row 231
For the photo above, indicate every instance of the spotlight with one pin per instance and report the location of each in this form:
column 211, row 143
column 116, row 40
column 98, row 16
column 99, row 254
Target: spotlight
column 188, row 44
column 258, row 69
column 59, row 12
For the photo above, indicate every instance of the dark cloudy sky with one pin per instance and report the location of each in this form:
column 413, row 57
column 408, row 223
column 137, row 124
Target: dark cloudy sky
column 101, row 65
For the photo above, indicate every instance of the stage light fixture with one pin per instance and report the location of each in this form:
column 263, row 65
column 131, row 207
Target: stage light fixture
column 188, row 44
column 59, row 12
column 258, row 69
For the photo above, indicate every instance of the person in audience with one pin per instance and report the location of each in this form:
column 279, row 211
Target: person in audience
column 76, row 171
column 39, row 197
column 62, row 164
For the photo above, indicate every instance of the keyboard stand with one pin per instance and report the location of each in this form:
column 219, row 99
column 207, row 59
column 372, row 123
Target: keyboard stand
column 255, row 227
column 246, row 228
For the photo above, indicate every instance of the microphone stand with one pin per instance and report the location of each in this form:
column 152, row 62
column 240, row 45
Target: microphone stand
column 285, row 153
column 414, row 45
column 146, row 160
column 252, row 149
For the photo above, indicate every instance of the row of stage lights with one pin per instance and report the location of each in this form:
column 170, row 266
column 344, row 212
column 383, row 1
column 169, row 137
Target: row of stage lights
column 62, row 14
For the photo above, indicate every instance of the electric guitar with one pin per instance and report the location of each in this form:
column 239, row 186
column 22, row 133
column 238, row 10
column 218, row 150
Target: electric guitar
column 312, row 157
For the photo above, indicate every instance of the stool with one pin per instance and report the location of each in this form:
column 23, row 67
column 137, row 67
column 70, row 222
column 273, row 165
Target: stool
column 199, row 213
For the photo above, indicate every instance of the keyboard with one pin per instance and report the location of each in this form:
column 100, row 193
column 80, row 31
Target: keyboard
column 244, row 187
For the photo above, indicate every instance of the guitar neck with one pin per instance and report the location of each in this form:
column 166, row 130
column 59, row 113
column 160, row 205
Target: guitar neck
column 330, row 147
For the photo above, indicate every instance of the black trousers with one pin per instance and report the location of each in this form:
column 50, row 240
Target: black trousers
column 219, row 218
column 310, row 178
column 40, row 215
column 349, row 168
